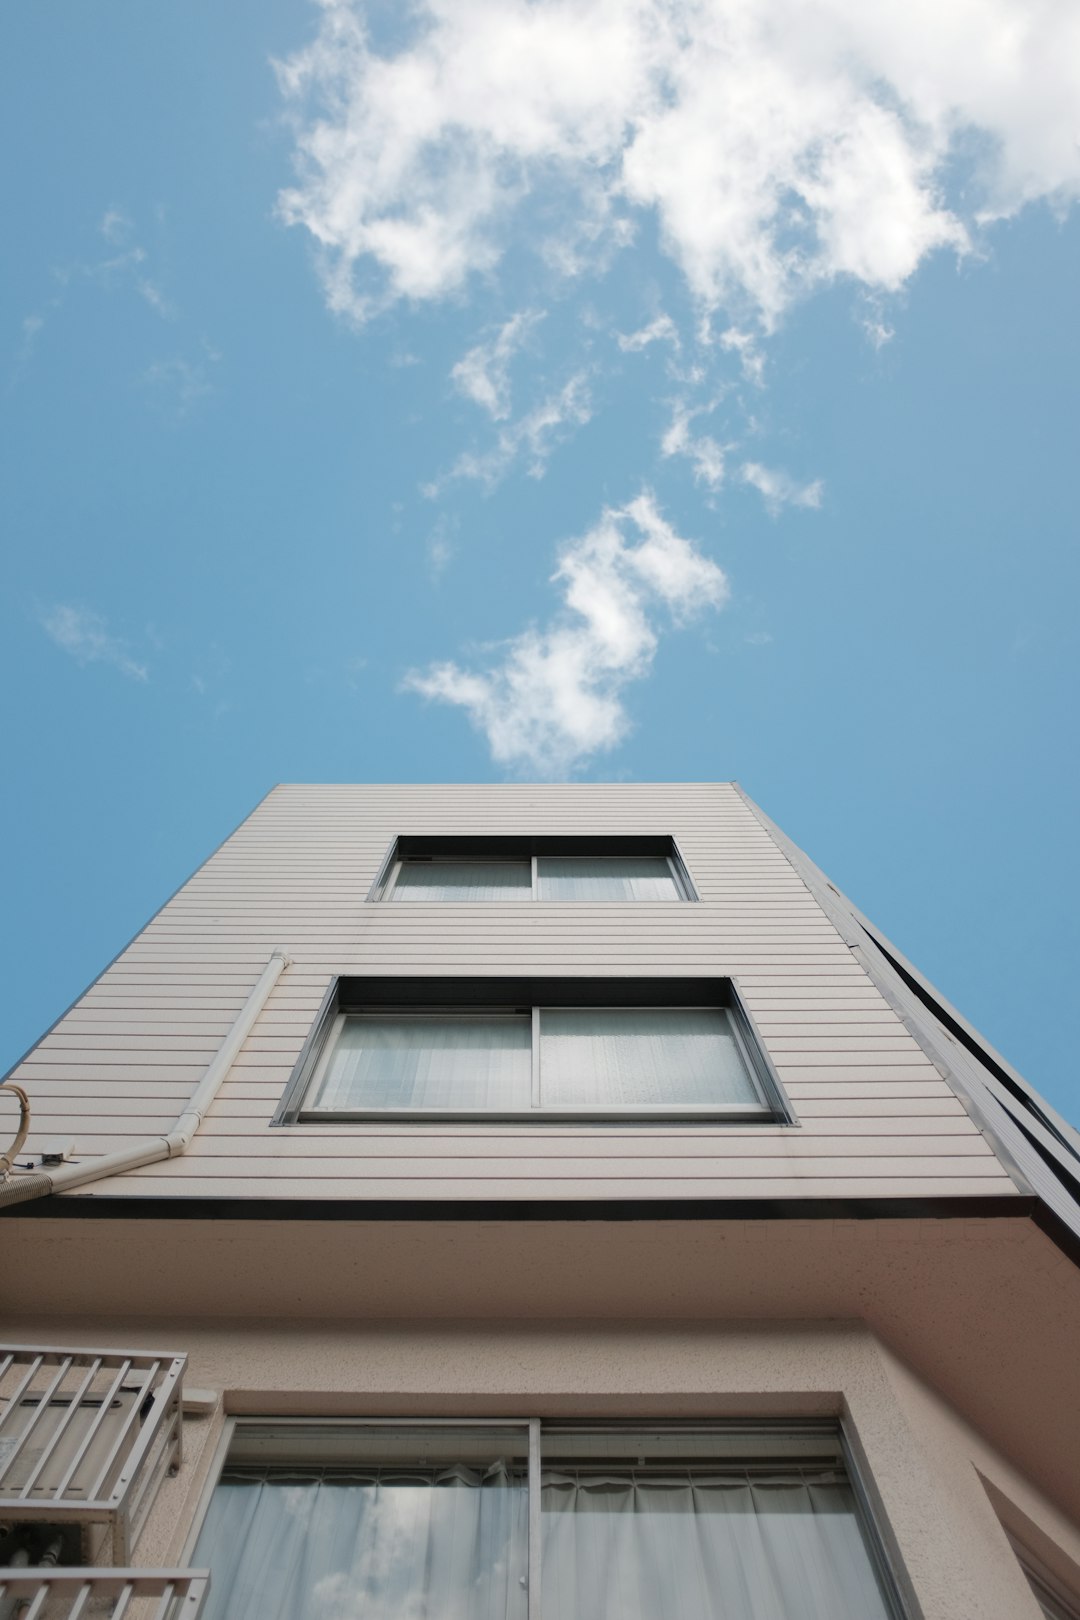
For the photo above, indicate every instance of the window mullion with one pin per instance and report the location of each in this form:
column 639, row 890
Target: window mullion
column 534, row 866
column 534, row 1519
column 535, row 1054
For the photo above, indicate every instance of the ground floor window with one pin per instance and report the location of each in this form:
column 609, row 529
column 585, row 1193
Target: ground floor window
column 538, row 1521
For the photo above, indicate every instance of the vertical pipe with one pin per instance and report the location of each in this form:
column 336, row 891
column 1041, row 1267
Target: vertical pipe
column 534, row 1519
column 535, row 1052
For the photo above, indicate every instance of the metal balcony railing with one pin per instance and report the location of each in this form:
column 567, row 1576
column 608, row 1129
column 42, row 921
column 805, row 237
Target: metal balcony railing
column 86, row 1436
column 103, row 1594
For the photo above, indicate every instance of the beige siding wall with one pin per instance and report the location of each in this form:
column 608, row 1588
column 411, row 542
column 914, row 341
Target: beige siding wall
column 874, row 1116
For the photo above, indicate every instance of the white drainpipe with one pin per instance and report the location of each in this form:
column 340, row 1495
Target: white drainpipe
column 18, row 1187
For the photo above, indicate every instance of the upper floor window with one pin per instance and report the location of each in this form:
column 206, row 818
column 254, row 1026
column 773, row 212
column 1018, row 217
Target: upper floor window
column 529, row 1049
column 467, row 870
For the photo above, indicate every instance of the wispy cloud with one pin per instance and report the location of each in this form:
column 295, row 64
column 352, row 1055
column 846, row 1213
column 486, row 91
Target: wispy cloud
column 877, row 330
column 129, row 264
column 483, row 374
column 551, row 698
column 183, row 383
column 705, row 454
column 751, row 359
column 531, row 439
column 440, row 547
column 152, row 293
column 779, row 489
column 86, row 636
column 778, row 148
column 116, row 227
column 30, row 329
column 661, row 329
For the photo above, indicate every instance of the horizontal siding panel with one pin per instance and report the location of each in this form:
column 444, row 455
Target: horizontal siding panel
column 870, row 1137
column 873, row 1113
column 148, row 1184
column 229, row 1168
column 583, row 1151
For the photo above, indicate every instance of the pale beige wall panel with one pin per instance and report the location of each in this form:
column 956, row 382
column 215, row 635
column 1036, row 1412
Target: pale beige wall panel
column 878, row 1117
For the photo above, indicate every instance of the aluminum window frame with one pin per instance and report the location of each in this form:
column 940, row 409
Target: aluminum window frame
column 408, row 998
column 892, row 1578
column 500, row 849
column 1055, row 1599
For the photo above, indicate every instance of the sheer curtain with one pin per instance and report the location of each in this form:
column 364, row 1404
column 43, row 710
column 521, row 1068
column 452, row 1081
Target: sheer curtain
column 377, row 1544
column 630, row 1546
column 632, row 1055
column 463, row 880
column 429, row 1060
column 605, row 877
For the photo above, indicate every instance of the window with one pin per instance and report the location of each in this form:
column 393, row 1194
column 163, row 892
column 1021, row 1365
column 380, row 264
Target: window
column 537, row 1521
column 458, row 871
column 533, row 1048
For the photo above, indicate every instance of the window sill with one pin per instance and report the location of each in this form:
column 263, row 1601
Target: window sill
column 659, row 1113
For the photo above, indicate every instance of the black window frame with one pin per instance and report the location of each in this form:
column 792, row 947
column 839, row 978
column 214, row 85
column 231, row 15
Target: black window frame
column 518, row 847
column 348, row 993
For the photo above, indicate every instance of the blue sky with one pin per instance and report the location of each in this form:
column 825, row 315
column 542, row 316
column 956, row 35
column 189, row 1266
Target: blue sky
column 673, row 390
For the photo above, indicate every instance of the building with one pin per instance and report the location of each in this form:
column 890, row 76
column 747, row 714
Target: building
column 532, row 1203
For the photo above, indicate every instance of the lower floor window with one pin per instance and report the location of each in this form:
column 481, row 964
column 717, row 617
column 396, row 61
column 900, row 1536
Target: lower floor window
column 440, row 1522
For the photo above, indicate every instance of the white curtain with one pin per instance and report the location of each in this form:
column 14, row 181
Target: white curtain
column 378, row 1545
column 605, row 877
column 459, row 1060
column 634, row 1055
column 465, row 881
column 630, row 1547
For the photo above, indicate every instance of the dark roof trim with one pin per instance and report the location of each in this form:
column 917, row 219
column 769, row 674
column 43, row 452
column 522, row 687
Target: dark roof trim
column 515, row 1210
column 520, row 846
column 1040, row 1150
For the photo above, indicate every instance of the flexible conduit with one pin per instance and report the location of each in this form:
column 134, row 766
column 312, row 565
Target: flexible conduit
column 18, row 1188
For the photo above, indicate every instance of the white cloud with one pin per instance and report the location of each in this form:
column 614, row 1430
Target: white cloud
column 156, row 298
column 660, row 330
column 483, row 375
column 779, row 144
column 751, row 360
column 779, row 488
column 705, row 454
column 84, row 634
column 878, row 332
column 183, row 382
column 533, row 436
column 553, row 698
column 440, row 547
column 115, row 226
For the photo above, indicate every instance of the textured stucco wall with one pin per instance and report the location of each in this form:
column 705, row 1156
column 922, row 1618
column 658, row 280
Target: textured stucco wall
column 922, row 1462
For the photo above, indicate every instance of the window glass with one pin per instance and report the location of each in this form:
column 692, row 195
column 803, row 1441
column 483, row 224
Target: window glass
column 624, row 1056
column 428, row 1060
column 606, row 877
column 651, row 1525
column 464, row 881
column 338, row 1522
column 413, row 1524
